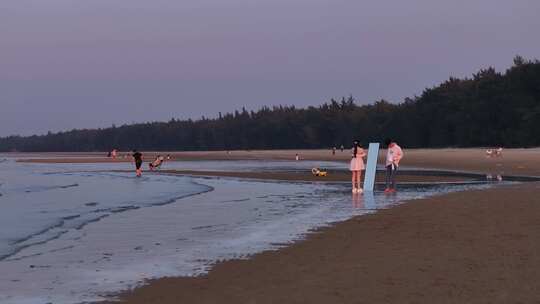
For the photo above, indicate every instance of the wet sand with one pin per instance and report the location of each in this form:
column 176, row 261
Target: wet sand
column 466, row 247
column 308, row 177
column 514, row 161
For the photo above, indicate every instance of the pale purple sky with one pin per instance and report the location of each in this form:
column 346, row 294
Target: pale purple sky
column 90, row 63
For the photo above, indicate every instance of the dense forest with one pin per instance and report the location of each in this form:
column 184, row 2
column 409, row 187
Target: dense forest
column 488, row 109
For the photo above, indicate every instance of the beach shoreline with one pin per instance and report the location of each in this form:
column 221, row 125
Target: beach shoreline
column 513, row 162
column 464, row 247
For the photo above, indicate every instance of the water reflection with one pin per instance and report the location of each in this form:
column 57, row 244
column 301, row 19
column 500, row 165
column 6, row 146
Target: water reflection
column 357, row 201
column 370, row 201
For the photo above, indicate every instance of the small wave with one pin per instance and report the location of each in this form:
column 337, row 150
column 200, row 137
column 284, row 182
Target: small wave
column 237, row 200
column 208, row 227
column 48, row 188
column 43, row 231
column 79, row 221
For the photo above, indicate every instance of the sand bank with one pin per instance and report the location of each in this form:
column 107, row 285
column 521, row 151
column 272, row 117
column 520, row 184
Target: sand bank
column 308, row 177
column 514, row 161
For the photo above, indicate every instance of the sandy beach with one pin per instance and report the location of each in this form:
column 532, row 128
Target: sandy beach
column 463, row 247
column 307, row 177
column 467, row 247
column 514, row 161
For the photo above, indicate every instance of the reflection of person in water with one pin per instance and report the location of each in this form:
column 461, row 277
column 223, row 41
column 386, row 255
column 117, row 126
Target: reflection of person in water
column 137, row 157
column 357, row 202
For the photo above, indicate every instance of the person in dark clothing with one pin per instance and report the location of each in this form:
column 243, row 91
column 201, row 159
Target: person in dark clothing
column 137, row 157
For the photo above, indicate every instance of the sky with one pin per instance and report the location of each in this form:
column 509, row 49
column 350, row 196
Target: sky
column 68, row 64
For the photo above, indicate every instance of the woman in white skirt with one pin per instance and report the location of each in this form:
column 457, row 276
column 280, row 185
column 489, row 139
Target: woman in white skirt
column 357, row 165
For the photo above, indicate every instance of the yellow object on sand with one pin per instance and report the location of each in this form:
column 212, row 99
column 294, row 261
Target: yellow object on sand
column 318, row 172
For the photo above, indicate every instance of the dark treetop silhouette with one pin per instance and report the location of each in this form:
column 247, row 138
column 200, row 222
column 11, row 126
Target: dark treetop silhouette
column 488, row 109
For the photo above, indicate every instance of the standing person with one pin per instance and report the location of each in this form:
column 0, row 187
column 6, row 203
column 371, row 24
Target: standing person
column 297, row 157
column 394, row 155
column 334, row 151
column 342, row 147
column 137, row 157
column 357, row 165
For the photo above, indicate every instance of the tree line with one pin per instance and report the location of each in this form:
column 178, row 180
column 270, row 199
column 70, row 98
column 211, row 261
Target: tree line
column 487, row 109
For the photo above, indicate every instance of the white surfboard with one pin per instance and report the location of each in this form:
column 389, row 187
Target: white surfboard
column 371, row 167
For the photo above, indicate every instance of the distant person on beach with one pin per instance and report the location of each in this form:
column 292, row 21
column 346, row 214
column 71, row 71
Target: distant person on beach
column 114, row 153
column 156, row 164
column 137, row 157
column 297, row 157
column 495, row 153
column 342, row 148
column 357, row 165
column 394, row 155
column 334, row 151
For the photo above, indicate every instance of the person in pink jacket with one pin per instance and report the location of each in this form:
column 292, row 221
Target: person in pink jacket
column 394, row 155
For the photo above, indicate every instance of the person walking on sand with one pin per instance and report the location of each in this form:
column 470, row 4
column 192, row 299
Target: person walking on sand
column 137, row 157
column 394, row 155
column 357, row 165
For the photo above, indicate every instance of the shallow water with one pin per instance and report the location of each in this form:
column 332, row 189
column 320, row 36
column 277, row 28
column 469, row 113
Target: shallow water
column 252, row 165
column 70, row 234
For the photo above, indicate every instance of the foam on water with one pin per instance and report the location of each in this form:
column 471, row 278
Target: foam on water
column 71, row 237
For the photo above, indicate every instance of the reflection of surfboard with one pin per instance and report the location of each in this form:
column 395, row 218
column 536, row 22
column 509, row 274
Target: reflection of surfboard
column 369, row 201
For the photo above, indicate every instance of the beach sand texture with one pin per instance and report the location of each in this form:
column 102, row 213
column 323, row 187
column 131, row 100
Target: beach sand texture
column 513, row 162
column 467, row 247
column 464, row 247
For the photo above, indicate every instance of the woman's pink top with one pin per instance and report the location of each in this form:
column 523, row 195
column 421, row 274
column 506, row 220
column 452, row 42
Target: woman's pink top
column 357, row 163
